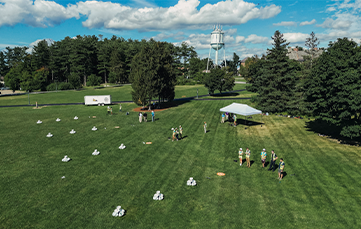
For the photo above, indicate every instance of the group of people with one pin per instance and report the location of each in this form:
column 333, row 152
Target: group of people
column 110, row 109
column 145, row 116
column 177, row 134
column 272, row 166
column 229, row 117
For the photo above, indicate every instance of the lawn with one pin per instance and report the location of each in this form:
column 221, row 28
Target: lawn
column 321, row 189
column 118, row 94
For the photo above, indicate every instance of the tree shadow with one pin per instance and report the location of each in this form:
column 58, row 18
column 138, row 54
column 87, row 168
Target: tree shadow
column 330, row 131
column 225, row 94
column 164, row 105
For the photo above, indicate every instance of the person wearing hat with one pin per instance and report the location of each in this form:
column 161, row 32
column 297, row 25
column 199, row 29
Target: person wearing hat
column 180, row 132
column 281, row 166
column 273, row 161
column 263, row 157
column 248, row 155
column 223, row 117
column 205, row 127
column 240, row 154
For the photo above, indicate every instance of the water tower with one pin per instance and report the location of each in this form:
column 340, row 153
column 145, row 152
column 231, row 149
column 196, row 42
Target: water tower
column 217, row 44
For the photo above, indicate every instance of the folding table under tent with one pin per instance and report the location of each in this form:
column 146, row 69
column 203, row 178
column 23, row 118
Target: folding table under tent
column 241, row 109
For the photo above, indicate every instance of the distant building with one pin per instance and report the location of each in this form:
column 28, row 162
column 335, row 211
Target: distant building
column 295, row 54
column 243, row 62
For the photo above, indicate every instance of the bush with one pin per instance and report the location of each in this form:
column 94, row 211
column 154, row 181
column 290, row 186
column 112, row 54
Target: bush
column 93, row 80
column 64, row 86
column 51, row 87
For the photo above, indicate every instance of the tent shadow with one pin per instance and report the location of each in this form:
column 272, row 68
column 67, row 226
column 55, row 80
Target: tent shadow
column 248, row 123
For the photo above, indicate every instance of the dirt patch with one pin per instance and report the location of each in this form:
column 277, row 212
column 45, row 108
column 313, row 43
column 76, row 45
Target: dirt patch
column 6, row 92
column 145, row 109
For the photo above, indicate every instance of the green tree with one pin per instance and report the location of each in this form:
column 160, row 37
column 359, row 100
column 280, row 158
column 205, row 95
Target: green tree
column 233, row 65
column 334, row 87
column 219, row 79
column 275, row 78
column 13, row 77
column 3, row 67
column 152, row 74
column 312, row 42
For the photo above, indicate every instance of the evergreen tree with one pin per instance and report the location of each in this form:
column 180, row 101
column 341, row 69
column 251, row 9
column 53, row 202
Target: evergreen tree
column 312, row 42
column 333, row 89
column 275, row 78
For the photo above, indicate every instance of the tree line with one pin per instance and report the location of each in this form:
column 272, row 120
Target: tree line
column 80, row 61
column 327, row 87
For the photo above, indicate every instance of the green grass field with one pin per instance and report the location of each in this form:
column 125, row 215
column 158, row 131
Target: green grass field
column 320, row 190
column 118, row 94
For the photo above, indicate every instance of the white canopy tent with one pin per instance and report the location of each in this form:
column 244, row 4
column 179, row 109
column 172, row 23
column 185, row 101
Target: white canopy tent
column 241, row 109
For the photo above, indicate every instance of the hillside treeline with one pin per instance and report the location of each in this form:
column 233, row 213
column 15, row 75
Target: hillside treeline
column 80, row 61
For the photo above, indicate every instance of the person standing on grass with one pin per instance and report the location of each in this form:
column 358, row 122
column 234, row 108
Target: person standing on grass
column 153, row 115
column 240, row 154
column 108, row 109
column 111, row 110
column 140, row 117
column 227, row 116
column 205, row 127
column 145, row 117
column 248, row 155
column 281, row 166
column 273, row 161
column 235, row 120
column 174, row 132
column 223, row 116
column 263, row 157
column 180, row 132
column 120, row 107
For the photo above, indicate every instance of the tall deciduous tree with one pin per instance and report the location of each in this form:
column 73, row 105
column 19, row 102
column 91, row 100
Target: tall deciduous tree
column 334, row 87
column 219, row 79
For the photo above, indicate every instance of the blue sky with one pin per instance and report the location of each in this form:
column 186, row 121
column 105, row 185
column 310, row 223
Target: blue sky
column 248, row 24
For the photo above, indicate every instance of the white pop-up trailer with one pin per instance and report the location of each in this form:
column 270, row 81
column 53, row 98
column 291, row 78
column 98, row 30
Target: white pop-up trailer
column 99, row 100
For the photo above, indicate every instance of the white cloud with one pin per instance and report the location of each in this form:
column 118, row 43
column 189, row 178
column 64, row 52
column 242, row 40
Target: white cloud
column 296, row 37
column 308, row 22
column 240, row 39
column 164, row 36
column 330, row 9
column 230, row 31
column 254, row 39
column 184, row 14
column 39, row 13
column 336, row 24
column 285, row 23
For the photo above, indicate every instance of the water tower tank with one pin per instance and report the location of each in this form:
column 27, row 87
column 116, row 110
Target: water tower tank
column 217, row 39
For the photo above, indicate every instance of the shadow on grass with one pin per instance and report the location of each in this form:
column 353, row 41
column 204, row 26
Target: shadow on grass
column 266, row 164
column 165, row 105
column 226, row 94
column 244, row 122
column 284, row 174
column 330, row 131
column 251, row 163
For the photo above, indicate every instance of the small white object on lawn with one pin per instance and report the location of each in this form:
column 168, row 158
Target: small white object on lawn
column 39, row 122
column 49, row 135
column 63, row 177
column 118, row 212
column 191, row 182
column 94, row 128
column 65, row 159
column 122, row 146
column 76, row 118
column 96, row 152
column 72, row 131
column 158, row 196
column 58, row 120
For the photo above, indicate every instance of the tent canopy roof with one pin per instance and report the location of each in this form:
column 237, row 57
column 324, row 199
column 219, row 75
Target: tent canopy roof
column 241, row 109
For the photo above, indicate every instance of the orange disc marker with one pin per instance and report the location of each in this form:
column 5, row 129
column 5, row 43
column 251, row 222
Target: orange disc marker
column 221, row 174
column 148, row 143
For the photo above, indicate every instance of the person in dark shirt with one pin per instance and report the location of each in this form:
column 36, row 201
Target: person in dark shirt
column 273, row 161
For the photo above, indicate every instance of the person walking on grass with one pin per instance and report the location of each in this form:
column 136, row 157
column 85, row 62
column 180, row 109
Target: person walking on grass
column 108, row 109
column 140, row 117
column 240, row 154
column 205, row 127
column 120, row 107
column 180, row 132
column 263, row 157
column 111, row 110
column 145, row 117
column 223, row 117
column 281, row 166
column 227, row 114
column 235, row 120
column 273, row 161
column 248, row 155
column 153, row 115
